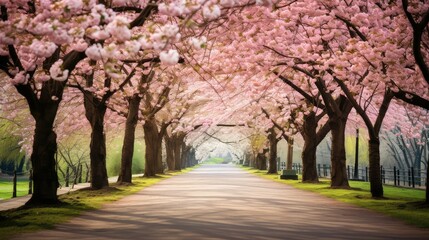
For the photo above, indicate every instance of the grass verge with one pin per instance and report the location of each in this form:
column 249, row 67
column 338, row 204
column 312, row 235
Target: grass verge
column 6, row 188
column 215, row 160
column 402, row 203
column 21, row 220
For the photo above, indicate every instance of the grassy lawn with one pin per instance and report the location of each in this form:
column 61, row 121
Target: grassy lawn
column 13, row 222
column 214, row 161
column 6, row 188
column 402, row 203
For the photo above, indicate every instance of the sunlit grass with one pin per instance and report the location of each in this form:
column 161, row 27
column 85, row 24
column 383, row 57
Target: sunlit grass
column 402, row 203
column 215, row 160
column 22, row 220
column 6, row 189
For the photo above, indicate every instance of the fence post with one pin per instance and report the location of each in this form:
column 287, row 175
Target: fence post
column 299, row 168
column 394, row 175
column 30, row 182
column 366, row 174
column 14, row 184
column 412, row 177
column 383, row 177
column 409, row 177
column 67, row 176
column 399, row 177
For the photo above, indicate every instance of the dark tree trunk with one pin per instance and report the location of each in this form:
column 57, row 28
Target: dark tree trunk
column 169, row 147
column 309, row 166
column 193, row 160
column 185, row 155
column 151, row 140
column 261, row 160
column 159, row 164
column 94, row 112
column 129, row 138
column 272, row 137
column 178, row 139
column 374, row 168
column 177, row 155
column 338, row 154
column 43, row 162
column 252, row 161
column 257, row 162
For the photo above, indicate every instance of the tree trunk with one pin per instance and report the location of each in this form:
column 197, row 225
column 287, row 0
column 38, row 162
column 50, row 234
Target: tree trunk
column 177, row 154
column 43, row 162
column 273, row 152
column 309, row 167
column 129, row 138
column 159, row 164
column 193, row 160
column 178, row 139
column 261, row 160
column 374, row 168
column 338, row 154
column 185, row 155
column 257, row 163
column 94, row 112
column 151, row 140
column 169, row 147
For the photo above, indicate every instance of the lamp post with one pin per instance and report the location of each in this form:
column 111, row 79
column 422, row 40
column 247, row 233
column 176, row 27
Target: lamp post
column 356, row 173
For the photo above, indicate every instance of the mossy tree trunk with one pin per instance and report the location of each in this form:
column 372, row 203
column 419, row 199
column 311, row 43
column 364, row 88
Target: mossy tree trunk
column 272, row 137
column 169, row 147
column 125, row 175
column 95, row 111
column 338, row 154
column 309, row 165
column 151, row 141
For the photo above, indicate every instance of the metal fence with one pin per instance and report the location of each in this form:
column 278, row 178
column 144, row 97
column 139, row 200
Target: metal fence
column 413, row 178
column 13, row 184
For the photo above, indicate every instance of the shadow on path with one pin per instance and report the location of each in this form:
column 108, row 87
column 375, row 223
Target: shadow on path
column 224, row 202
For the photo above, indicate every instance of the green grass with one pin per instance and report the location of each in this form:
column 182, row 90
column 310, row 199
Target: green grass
column 402, row 203
column 6, row 188
column 215, row 160
column 16, row 221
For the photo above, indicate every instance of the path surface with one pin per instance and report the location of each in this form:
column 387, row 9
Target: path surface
column 225, row 202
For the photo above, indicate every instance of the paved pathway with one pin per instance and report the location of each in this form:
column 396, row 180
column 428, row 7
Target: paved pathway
column 225, row 202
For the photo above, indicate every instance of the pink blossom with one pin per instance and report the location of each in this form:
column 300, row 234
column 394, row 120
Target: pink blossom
column 119, row 29
column 20, row 78
column 95, row 52
column 97, row 33
column 198, row 43
column 211, row 12
column 74, row 5
column 176, row 8
column 169, row 58
column 57, row 73
column 80, row 45
column 43, row 49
